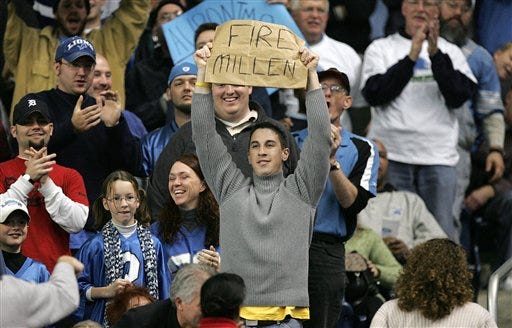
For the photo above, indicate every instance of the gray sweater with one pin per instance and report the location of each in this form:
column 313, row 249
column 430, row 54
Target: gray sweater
column 266, row 222
column 25, row 304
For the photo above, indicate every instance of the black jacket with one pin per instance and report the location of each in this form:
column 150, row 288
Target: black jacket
column 161, row 314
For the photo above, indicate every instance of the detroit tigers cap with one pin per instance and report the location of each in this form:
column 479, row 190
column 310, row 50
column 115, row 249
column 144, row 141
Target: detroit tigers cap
column 27, row 105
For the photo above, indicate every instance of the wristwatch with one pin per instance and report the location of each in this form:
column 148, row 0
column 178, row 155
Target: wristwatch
column 26, row 176
column 335, row 166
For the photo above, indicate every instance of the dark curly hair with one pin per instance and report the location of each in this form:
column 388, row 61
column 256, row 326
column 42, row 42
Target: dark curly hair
column 121, row 302
column 102, row 216
column 207, row 210
column 435, row 279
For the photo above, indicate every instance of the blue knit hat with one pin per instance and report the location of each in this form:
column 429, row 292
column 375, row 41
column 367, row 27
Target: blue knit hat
column 182, row 69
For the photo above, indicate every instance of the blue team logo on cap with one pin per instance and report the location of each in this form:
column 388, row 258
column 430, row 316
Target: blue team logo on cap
column 74, row 47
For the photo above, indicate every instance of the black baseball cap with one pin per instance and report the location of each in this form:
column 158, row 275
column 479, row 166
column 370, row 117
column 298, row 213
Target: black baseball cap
column 28, row 105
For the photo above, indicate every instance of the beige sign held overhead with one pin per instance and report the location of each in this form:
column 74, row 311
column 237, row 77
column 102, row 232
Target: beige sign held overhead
column 249, row 52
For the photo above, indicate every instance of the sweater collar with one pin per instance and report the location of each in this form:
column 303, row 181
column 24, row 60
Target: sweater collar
column 190, row 220
column 268, row 183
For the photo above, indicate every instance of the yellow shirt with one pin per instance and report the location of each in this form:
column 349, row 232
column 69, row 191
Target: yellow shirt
column 276, row 313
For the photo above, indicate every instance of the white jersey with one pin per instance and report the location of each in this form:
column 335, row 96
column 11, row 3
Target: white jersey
column 417, row 126
column 343, row 57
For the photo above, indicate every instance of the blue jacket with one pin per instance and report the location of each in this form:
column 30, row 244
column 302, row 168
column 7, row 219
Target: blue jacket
column 359, row 160
column 152, row 145
column 94, row 275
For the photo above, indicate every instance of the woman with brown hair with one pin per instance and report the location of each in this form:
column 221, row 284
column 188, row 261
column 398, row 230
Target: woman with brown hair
column 188, row 225
column 434, row 290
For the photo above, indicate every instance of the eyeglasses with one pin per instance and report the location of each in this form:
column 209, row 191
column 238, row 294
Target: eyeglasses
column 75, row 66
column 21, row 223
column 335, row 88
column 118, row 200
column 454, row 5
column 426, row 3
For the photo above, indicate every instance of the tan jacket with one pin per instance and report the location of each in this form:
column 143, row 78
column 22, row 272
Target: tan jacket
column 30, row 52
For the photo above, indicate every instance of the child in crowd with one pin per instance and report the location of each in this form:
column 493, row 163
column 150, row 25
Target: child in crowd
column 124, row 252
column 188, row 225
column 14, row 219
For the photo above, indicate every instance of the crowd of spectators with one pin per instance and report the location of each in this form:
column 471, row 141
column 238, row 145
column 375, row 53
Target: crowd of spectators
column 115, row 153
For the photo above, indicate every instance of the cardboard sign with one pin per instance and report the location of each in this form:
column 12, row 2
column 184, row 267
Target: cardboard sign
column 179, row 32
column 249, row 52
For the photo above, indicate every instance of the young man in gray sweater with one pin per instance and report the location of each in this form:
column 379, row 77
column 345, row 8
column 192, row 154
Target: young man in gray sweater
column 266, row 219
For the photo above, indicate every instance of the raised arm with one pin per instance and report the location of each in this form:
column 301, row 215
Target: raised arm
column 15, row 31
column 121, row 32
column 38, row 305
column 313, row 166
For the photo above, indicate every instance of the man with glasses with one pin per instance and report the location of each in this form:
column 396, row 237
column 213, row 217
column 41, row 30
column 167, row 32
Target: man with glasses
column 54, row 195
column 311, row 17
column 29, row 51
column 91, row 135
column 416, row 81
column 352, row 181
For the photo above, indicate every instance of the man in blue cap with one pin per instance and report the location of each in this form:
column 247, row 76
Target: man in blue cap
column 90, row 135
column 29, row 51
column 181, row 82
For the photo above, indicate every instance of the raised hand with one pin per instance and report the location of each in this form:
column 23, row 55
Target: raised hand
column 310, row 60
column 433, row 35
column 335, row 139
column 111, row 109
column 201, row 55
column 39, row 164
column 417, row 42
column 87, row 118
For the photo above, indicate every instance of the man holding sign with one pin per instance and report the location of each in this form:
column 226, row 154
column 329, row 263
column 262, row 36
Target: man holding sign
column 266, row 219
column 234, row 121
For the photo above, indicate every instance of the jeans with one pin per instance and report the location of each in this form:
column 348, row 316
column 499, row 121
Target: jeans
column 435, row 184
column 292, row 323
column 326, row 283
